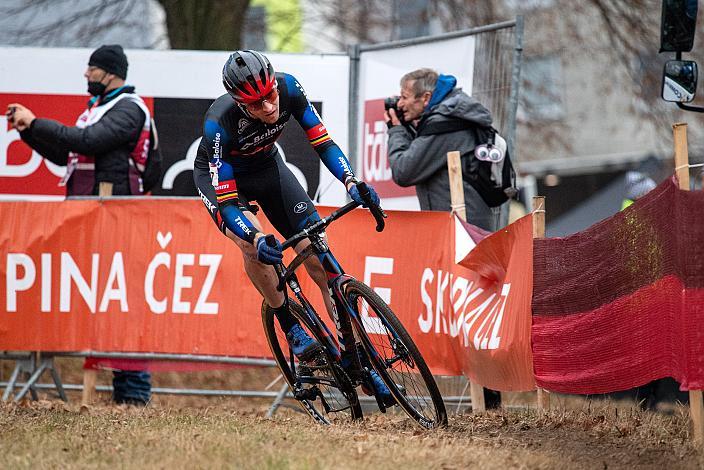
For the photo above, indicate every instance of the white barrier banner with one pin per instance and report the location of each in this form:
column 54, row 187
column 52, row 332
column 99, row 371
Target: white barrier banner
column 178, row 86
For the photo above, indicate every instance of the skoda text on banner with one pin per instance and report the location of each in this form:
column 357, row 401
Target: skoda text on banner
column 490, row 297
column 623, row 301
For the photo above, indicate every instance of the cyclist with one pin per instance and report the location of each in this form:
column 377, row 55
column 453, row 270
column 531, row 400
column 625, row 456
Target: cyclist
column 237, row 163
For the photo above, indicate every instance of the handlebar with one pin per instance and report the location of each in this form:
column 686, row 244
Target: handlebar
column 319, row 226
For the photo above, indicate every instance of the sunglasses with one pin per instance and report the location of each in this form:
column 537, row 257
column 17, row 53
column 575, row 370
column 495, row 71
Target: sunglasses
column 259, row 104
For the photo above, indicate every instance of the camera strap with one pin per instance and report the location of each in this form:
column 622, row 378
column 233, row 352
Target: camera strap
column 443, row 127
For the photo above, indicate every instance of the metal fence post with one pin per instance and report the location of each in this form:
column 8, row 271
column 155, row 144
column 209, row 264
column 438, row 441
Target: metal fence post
column 354, row 53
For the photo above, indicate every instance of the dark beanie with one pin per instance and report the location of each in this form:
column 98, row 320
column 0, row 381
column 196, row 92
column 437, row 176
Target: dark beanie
column 110, row 58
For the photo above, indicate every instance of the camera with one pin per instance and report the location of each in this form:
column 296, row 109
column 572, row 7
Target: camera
column 392, row 103
column 11, row 114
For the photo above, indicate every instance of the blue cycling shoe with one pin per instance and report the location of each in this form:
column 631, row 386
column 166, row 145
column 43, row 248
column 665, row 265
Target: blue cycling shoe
column 380, row 390
column 304, row 347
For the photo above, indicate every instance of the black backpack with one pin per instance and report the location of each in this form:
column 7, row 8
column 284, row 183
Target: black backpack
column 494, row 181
column 153, row 169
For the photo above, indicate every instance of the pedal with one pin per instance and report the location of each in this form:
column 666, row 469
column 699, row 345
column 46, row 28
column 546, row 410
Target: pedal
column 313, row 357
column 380, row 403
column 308, row 394
column 315, row 361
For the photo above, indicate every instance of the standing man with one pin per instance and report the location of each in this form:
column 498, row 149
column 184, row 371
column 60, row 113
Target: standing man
column 106, row 148
column 107, row 144
column 429, row 99
column 416, row 159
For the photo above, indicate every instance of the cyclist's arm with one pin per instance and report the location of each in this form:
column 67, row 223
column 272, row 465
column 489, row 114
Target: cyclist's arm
column 307, row 116
column 223, row 180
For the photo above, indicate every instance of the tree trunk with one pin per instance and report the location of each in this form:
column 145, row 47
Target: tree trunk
column 205, row 24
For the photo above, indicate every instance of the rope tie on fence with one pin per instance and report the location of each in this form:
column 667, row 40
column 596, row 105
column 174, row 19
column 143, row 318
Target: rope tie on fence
column 455, row 208
column 695, row 165
column 540, row 208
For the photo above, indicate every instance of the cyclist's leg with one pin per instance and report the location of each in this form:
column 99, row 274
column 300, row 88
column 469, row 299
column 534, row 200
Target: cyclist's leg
column 289, row 209
column 262, row 276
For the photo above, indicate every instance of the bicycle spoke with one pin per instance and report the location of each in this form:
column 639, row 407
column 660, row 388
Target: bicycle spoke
column 391, row 348
column 315, row 383
column 405, row 375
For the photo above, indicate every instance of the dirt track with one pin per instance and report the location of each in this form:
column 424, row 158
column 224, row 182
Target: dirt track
column 232, row 433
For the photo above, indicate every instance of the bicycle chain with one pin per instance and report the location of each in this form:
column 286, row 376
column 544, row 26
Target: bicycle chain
column 335, row 369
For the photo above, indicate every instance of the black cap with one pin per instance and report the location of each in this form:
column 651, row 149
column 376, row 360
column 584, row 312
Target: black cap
column 110, row 58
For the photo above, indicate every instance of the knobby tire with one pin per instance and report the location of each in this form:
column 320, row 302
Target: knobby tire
column 280, row 350
column 413, row 401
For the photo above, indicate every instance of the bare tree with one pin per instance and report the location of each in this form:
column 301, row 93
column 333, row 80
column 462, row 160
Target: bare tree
column 190, row 24
column 76, row 23
column 621, row 36
column 205, row 24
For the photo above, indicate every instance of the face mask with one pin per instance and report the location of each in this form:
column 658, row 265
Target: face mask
column 96, row 88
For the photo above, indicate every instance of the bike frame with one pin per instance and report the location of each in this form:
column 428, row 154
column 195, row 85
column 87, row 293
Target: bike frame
column 343, row 313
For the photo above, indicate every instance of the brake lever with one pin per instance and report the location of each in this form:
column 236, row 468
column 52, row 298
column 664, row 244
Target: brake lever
column 375, row 209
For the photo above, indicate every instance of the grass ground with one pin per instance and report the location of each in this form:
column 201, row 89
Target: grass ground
column 232, row 433
column 196, row 432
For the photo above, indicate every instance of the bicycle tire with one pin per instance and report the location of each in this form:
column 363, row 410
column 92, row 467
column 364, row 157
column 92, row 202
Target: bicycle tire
column 412, row 372
column 326, row 367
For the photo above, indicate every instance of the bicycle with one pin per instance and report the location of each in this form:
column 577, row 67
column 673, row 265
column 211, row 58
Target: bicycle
column 326, row 389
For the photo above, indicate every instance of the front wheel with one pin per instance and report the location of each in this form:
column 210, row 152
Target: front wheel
column 395, row 357
column 322, row 386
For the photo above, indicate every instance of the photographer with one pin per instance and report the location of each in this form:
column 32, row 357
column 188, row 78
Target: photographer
column 428, row 99
column 416, row 159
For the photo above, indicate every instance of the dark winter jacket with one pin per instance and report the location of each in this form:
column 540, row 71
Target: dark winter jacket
column 422, row 161
column 110, row 141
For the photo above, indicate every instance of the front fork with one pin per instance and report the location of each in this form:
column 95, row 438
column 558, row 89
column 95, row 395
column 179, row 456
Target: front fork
column 354, row 358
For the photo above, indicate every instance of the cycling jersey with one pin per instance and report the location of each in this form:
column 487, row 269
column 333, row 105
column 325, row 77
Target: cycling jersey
column 235, row 147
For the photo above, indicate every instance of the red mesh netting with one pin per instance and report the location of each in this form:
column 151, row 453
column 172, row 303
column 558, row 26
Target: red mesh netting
column 622, row 303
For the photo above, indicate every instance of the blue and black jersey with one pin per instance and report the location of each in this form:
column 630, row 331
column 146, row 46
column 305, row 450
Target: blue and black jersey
column 236, row 147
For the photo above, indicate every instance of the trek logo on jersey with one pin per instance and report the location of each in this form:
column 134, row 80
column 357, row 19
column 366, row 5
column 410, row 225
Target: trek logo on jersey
column 300, row 207
column 208, row 205
column 300, row 88
column 240, row 223
column 345, row 166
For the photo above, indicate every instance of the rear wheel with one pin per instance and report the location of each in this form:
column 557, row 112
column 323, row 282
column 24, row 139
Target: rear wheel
column 395, row 357
column 320, row 384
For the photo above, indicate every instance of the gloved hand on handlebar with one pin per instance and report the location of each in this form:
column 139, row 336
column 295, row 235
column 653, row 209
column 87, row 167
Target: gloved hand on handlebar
column 268, row 254
column 356, row 197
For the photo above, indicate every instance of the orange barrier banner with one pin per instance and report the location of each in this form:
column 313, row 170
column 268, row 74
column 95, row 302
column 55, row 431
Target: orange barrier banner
column 491, row 303
column 151, row 275
column 155, row 275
